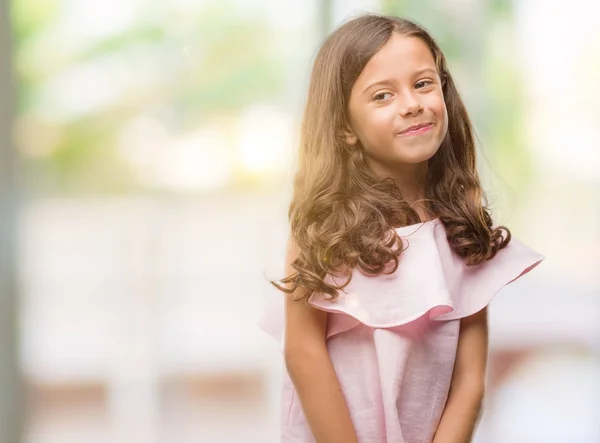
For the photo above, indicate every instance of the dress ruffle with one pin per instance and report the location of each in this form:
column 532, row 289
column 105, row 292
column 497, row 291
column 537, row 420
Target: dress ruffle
column 431, row 279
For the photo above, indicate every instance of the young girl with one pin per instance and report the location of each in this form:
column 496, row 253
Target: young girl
column 392, row 257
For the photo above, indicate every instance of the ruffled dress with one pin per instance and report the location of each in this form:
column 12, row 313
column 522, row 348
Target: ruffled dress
column 393, row 338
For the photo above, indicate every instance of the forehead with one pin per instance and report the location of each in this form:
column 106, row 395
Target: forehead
column 401, row 56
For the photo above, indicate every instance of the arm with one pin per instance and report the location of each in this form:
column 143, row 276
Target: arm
column 463, row 408
column 311, row 370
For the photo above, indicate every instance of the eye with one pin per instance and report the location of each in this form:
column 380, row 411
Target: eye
column 381, row 96
column 425, row 83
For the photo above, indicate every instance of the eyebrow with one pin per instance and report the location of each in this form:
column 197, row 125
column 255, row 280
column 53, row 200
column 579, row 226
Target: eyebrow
column 388, row 82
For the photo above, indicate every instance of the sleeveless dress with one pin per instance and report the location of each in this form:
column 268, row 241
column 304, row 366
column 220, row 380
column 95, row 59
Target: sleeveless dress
column 393, row 338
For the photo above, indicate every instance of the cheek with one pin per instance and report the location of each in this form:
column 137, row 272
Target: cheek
column 375, row 124
column 443, row 117
column 438, row 108
column 435, row 102
column 382, row 119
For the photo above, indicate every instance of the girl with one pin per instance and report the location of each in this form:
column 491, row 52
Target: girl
column 392, row 257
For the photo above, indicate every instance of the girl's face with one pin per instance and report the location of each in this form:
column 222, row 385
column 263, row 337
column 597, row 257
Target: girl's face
column 398, row 89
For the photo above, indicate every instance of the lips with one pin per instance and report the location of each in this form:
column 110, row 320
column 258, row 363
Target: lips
column 415, row 128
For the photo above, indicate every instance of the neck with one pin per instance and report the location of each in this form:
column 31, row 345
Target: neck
column 411, row 179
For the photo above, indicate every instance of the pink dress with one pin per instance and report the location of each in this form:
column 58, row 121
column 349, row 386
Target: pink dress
column 393, row 338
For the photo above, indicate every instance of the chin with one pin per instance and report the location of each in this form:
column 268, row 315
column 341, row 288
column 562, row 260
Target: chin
column 417, row 154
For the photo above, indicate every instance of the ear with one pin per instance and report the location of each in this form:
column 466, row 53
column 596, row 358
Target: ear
column 349, row 136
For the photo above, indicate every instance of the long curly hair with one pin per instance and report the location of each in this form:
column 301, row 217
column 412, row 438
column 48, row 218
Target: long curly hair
column 342, row 215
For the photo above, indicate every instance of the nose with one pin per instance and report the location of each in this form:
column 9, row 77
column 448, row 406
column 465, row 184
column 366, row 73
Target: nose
column 409, row 105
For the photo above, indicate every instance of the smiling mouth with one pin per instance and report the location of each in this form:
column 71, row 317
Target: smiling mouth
column 418, row 130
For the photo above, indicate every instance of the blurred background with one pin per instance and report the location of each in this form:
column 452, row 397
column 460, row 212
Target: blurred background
column 146, row 155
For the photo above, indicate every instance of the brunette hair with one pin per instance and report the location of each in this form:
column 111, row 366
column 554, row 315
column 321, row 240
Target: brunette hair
column 342, row 215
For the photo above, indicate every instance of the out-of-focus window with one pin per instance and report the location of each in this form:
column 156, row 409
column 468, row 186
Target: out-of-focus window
column 129, row 96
